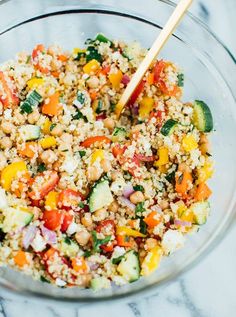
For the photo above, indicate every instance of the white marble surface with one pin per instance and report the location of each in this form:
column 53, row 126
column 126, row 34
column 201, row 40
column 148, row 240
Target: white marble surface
column 208, row 290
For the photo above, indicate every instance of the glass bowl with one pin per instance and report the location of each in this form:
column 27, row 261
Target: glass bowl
column 210, row 76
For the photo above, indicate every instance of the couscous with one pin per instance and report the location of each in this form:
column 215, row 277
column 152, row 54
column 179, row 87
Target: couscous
column 88, row 199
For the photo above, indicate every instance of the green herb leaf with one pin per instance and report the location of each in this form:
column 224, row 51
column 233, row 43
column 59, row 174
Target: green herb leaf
column 92, row 53
column 143, row 226
column 52, row 126
column 79, row 115
column 171, row 177
column 99, row 107
column 67, row 240
column 41, row 168
column 80, row 97
column 139, row 208
column 81, row 205
column 98, row 242
column 87, row 253
column 79, row 56
column 139, row 188
column 44, row 280
column 117, row 260
column 180, row 82
column 82, row 153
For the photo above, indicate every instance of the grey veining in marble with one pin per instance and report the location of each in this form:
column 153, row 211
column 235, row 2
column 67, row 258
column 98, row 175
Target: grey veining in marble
column 208, row 290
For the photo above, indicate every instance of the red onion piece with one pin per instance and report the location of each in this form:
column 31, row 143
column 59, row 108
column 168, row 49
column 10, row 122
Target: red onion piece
column 127, row 203
column 93, row 266
column 49, row 235
column 128, row 190
column 29, row 235
column 182, row 223
column 125, row 79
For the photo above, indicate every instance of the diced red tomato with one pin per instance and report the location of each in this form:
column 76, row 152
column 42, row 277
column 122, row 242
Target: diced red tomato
column 36, row 51
column 158, row 69
column 67, row 220
column 69, row 199
column 136, row 164
column 144, row 158
column 43, row 184
column 49, row 254
column 105, row 70
column 109, row 247
column 173, row 92
column 52, row 219
column 95, row 139
column 7, row 95
column 101, row 116
column 106, row 227
column 136, row 93
column 118, row 150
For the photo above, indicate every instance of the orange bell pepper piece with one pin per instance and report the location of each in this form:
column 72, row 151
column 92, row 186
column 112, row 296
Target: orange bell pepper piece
column 123, row 241
column 182, row 183
column 203, row 192
column 29, row 149
column 20, row 258
column 152, row 219
column 99, row 139
column 79, row 265
column 53, row 107
column 7, row 95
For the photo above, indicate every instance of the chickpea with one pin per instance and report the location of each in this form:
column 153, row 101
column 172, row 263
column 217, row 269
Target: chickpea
column 150, row 244
column 93, row 173
column 57, row 130
column 19, row 119
column 136, row 197
column 87, row 220
column 164, row 204
column 3, row 160
column 82, row 237
column 6, row 142
column 113, row 206
column 33, row 117
column 106, row 165
column 204, row 144
column 48, row 157
column 100, row 214
column 109, row 123
column 7, row 127
column 93, row 82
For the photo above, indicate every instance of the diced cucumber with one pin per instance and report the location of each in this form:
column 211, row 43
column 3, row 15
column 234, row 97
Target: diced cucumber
column 168, row 127
column 129, row 266
column 69, row 247
column 119, row 134
column 15, row 218
column 201, row 212
column 100, row 196
column 31, row 101
column 202, row 117
column 29, row 132
column 99, row 283
column 3, row 199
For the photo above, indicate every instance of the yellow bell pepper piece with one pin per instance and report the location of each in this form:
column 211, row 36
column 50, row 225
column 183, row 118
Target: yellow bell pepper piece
column 48, row 142
column 35, row 82
column 91, row 67
column 97, row 155
column 78, row 50
column 129, row 232
column 115, row 79
column 51, row 200
column 151, row 261
column 10, row 172
column 46, row 126
column 163, row 156
column 145, row 107
column 205, row 172
column 181, row 208
column 189, row 143
column 187, row 215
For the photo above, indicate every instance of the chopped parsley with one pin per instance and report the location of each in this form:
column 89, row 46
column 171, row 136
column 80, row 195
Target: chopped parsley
column 52, row 126
column 79, row 115
column 139, row 188
column 80, row 97
column 117, row 260
column 143, row 226
column 98, row 242
column 67, row 240
column 99, row 106
column 87, row 253
column 44, row 280
column 82, row 153
column 139, row 209
column 41, row 168
column 92, row 53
